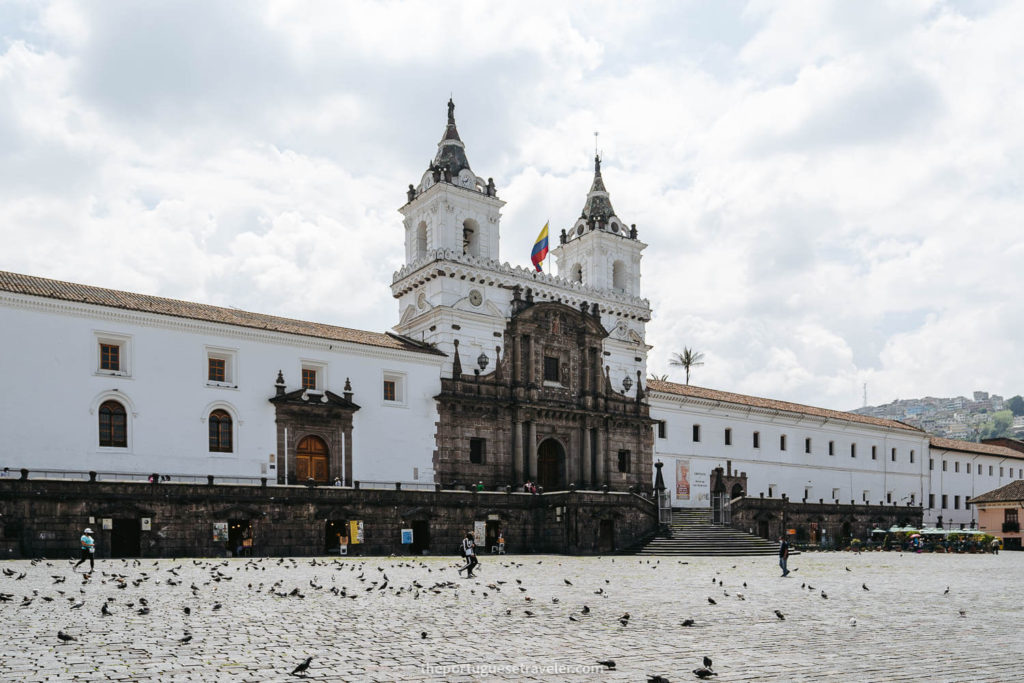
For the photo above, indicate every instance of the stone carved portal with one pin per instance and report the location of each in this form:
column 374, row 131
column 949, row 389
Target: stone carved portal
column 551, row 465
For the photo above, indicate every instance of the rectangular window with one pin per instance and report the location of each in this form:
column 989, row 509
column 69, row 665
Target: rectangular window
column 931, row 501
column 393, row 388
column 309, row 379
column 1010, row 515
column 912, row 500
column 807, row 445
column 624, row 461
column 696, row 433
column 956, row 502
column 477, row 451
column 216, row 370
column 866, row 496
column 931, row 463
column 831, row 447
column 835, row 494
column 892, row 455
column 956, row 465
column 110, row 357
column 728, row 436
column 1011, row 473
column 771, row 490
column 945, row 501
column 551, row 369
column 853, row 450
column 888, row 496
column 113, row 354
column 990, row 470
column 911, row 456
column 968, row 468
column 943, row 465
column 782, row 442
column 807, row 493
column 757, row 439
column 220, row 366
column 662, row 429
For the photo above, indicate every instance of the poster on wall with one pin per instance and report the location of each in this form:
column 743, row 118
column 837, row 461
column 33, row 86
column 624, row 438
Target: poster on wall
column 220, row 532
column 406, row 536
column 355, row 532
column 683, row 479
column 480, row 533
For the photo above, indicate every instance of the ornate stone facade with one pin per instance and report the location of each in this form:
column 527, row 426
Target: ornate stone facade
column 547, row 413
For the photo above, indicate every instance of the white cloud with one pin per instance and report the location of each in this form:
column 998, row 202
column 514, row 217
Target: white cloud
column 830, row 192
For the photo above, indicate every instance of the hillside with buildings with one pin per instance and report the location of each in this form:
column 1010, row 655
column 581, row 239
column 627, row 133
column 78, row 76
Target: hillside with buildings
column 983, row 416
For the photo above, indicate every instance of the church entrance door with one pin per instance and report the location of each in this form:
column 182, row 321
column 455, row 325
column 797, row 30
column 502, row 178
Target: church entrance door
column 311, row 460
column 551, row 465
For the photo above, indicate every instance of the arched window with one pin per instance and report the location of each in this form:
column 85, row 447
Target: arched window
column 421, row 240
column 220, row 432
column 113, row 425
column 619, row 276
column 576, row 275
column 470, row 237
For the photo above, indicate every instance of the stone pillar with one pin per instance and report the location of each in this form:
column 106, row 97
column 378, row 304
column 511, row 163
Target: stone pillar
column 602, row 476
column 588, row 456
column 348, row 455
column 531, row 449
column 517, row 360
column 518, row 476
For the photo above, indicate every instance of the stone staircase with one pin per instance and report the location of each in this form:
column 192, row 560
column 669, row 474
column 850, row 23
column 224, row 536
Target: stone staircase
column 693, row 534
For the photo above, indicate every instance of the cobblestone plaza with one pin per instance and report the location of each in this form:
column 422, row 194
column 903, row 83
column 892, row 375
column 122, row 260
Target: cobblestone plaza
column 887, row 616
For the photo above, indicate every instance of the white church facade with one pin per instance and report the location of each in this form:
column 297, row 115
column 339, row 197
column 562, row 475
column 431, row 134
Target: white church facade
column 493, row 373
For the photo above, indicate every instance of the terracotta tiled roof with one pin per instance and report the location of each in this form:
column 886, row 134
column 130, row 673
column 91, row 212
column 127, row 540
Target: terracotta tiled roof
column 770, row 404
column 972, row 447
column 1012, row 492
column 112, row 298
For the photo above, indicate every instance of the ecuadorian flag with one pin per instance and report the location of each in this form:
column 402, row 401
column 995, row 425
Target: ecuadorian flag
column 540, row 248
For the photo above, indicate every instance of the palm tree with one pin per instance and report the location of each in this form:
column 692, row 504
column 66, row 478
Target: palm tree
column 686, row 360
column 660, row 378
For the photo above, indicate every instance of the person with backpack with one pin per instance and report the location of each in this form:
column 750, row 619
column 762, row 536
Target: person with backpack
column 469, row 550
column 88, row 550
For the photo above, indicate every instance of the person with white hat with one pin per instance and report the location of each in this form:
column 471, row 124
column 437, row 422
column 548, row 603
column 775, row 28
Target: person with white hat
column 88, row 550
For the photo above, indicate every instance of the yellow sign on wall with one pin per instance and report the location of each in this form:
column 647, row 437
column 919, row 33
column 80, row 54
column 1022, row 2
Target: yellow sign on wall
column 355, row 531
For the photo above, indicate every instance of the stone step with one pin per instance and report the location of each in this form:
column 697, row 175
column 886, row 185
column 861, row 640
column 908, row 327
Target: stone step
column 692, row 533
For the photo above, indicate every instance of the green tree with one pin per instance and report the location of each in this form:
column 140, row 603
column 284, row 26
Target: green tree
column 1016, row 405
column 660, row 378
column 686, row 360
column 998, row 426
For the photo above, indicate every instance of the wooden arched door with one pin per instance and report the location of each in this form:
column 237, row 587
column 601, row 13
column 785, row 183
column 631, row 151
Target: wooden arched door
column 311, row 460
column 551, row 465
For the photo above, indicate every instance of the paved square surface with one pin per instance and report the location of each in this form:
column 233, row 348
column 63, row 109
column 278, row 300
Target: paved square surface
column 505, row 623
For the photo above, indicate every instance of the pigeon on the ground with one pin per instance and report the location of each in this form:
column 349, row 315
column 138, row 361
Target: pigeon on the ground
column 64, row 637
column 780, row 615
column 711, row 601
column 707, row 661
column 187, row 637
column 687, row 622
column 607, row 663
column 301, row 668
column 704, row 672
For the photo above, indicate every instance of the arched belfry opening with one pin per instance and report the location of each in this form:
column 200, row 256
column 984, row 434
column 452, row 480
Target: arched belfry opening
column 421, row 240
column 470, row 237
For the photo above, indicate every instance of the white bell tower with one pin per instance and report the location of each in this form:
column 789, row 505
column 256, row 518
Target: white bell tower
column 452, row 208
column 599, row 250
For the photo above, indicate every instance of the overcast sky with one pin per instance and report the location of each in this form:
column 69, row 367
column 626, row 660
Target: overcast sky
column 832, row 193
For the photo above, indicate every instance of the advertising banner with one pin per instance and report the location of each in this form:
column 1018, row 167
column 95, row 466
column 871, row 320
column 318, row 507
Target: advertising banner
column 355, row 532
column 406, row 536
column 682, row 479
column 220, row 532
column 480, row 533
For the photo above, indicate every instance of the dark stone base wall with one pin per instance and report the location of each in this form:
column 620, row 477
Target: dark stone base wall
column 776, row 515
column 44, row 518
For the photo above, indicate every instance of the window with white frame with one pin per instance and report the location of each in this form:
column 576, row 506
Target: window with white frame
column 835, row 494
column 113, row 354
column 393, row 388
column 314, row 376
column 866, row 496
column 220, row 367
column 728, row 436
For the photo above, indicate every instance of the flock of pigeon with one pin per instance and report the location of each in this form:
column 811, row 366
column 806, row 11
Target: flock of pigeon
column 130, row 578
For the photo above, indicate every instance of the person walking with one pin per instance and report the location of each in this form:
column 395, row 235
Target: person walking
column 783, row 554
column 469, row 550
column 88, row 550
